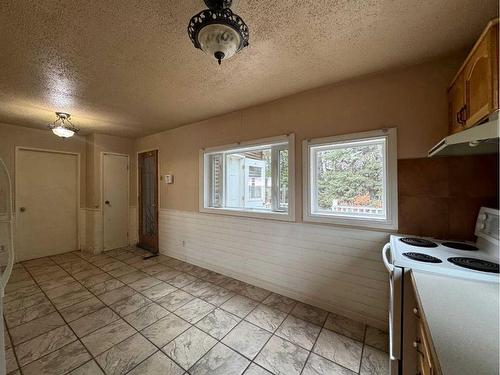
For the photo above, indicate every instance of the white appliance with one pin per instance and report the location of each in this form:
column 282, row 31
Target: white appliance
column 477, row 261
column 6, row 247
column 480, row 139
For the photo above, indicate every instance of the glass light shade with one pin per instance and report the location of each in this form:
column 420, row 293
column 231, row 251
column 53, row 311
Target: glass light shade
column 63, row 132
column 219, row 38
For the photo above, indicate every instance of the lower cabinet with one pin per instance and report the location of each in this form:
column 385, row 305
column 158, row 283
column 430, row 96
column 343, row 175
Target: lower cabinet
column 418, row 355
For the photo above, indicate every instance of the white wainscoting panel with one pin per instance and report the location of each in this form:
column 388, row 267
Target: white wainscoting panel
column 93, row 228
column 82, row 228
column 132, row 226
column 338, row 269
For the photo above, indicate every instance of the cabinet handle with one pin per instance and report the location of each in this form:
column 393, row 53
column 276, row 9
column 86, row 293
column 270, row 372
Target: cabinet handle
column 462, row 116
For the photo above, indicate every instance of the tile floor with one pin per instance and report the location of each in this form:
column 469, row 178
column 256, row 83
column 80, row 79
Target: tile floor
column 116, row 313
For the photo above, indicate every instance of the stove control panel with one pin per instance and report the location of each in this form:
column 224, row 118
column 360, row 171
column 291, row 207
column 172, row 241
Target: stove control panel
column 488, row 224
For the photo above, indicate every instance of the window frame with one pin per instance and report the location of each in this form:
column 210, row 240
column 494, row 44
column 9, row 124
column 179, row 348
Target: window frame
column 205, row 183
column 390, row 188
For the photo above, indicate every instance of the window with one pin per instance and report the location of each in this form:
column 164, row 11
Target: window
column 250, row 179
column 351, row 179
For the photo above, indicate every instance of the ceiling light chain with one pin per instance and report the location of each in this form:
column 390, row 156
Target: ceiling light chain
column 218, row 31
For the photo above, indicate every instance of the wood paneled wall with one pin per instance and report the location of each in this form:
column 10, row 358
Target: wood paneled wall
column 338, row 269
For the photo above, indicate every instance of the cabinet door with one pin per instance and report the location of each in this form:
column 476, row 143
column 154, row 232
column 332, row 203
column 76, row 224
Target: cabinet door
column 456, row 104
column 480, row 79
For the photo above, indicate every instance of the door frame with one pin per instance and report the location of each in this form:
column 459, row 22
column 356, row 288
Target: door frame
column 78, row 186
column 158, row 178
column 101, row 197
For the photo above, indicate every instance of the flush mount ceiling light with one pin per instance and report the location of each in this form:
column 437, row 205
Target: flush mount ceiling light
column 63, row 127
column 218, row 31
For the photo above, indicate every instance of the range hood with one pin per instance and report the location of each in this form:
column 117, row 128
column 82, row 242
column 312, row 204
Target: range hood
column 480, row 139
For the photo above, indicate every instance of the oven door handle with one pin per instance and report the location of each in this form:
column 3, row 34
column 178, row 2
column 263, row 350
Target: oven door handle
column 385, row 258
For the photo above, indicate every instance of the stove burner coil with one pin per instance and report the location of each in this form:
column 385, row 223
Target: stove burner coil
column 460, row 246
column 422, row 257
column 420, row 242
column 475, row 264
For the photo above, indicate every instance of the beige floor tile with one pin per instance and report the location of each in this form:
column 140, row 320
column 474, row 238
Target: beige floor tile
column 239, row 305
column 89, row 368
column 189, row 347
column 377, row 338
column 266, row 317
column 339, row 349
column 345, row 326
column 282, row 357
column 310, row 313
column 107, row 336
column 117, row 294
column 130, row 304
column 175, row 300
column 280, row 302
column 146, row 316
column 158, row 291
column 23, row 303
column 36, row 327
column 374, row 362
column 61, row 361
column 218, row 323
column 317, row 365
column 124, row 356
column 247, row 339
column 19, row 317
column 144, row 283
column 299, row 332
column 220, row 360
column 195, row 310
column 157, row 364
column 44, row 344
column 106, row 286
column 165, row 330
column 80, row 309
column 94, row 321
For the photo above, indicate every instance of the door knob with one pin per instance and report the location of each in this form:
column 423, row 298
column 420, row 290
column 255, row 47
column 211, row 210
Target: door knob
column 22, row 209
column 107, row 202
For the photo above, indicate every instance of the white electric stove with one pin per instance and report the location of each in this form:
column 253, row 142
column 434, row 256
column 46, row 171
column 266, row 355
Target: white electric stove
column 470, row 260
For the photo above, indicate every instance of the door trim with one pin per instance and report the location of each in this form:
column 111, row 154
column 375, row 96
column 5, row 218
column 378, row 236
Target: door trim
column 78, row 186
column 158, row 179
column 101, row 197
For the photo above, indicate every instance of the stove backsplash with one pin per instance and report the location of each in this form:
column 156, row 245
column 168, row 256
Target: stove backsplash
column 441, row 197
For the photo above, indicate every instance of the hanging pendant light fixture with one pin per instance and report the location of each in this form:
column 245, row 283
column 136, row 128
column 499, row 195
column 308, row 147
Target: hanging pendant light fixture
column 63, row 127
column 218, row 31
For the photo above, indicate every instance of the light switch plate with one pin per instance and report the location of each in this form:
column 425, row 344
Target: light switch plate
column 169, row 179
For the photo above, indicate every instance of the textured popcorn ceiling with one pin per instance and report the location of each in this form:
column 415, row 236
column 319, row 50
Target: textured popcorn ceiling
column 127, row 67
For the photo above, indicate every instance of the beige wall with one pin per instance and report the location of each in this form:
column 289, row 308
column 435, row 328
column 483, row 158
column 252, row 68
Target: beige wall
column 412, row 99
column 12, row 136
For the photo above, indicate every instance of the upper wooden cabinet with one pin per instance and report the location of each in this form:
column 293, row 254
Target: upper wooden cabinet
column 473, row 94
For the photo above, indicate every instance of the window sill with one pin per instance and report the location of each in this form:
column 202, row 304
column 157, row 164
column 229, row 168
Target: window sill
column 249, row 214
column 351, row 222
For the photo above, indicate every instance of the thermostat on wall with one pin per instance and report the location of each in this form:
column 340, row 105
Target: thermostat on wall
column 169, row 179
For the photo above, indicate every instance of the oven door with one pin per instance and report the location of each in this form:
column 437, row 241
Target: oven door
column 395, row 308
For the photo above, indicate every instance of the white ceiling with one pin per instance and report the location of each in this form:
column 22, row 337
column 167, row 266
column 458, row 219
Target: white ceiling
column 128, row 67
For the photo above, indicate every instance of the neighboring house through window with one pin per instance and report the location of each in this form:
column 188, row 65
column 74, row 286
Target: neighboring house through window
column 249, row 179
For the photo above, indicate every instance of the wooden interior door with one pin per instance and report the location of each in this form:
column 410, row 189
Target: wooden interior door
column 46, row 203
column 115, row 206
column 148, row 200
